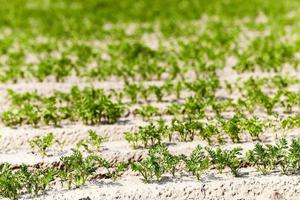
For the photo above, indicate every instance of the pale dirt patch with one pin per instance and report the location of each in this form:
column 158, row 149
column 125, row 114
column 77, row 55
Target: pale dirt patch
column 213, row 186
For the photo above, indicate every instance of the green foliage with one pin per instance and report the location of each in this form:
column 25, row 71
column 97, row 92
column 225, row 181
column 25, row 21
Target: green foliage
column 204, row 88
column 119, row 169
column 149, row 135
column 89, row 105
column 194, row 106
column 156, row 51
column 291, row 122
column 227, row 158
column 158, row 162
column 132, row 91
column 207, row 132
column 294, row 156
column 9, row 182
column 186, row 129
column 42, row 143
column 36, row 182
column 146, row 168
column 93, row 143
column 147, row 112
column 267, row 158
column 256, row 96
column 254, row 126
column 77, row 169
column 197, row 162
column 232, row 127
column 261, row 159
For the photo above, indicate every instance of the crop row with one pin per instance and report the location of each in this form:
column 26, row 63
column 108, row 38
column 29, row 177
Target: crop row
column 41, row 144
column 265, row 158
column 213, row 131
column 92, row 106
column 77, row 169
column 88, row 105
column 65, row 18
column 132, row 59
column 186, row 130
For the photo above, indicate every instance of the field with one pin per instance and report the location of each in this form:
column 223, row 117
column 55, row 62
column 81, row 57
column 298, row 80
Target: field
column 150, row 99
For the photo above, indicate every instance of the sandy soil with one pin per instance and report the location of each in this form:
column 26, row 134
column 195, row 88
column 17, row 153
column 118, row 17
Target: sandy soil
column 211, row 187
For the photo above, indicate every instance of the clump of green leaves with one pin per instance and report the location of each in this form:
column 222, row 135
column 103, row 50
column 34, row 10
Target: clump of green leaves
column 186, row 129
column 232, row 127
column 227, row 158
column 93, row 143
column 147, row 111
column 149, row 135
column 254, row 126
column 197, row 162
column 42, row 143
column 9, row 182
column 36, row 181
column 280, row 156
column 89, row 105
column 158, row 162
column 77, row 169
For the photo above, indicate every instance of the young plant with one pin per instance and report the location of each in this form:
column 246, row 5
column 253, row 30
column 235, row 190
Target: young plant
column 42, row 143
column 294, row 156
column 173, row 109
column 261, row 159
column 204, row 87
column 194, row 106
column 132, row 91
column 166, row 161
column 149, row 135
column 146, row 168
column 36, row 181
column 147, row 112
column 232, row 127
column 77, row 169
column 132, row 138
column 9, row 182
column 254, row 127
column 280, row 152
column 227, row 158
column 158, row 162
column 93, row 143
column 197, row 162
column 186, row 129
column 291, row 122
column 207, row 132
column 119, row 169
column 157, row 91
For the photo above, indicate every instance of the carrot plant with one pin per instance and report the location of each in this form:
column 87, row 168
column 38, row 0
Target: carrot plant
column 197, row 162
column 232, row 127
column 89, row 105
column 36, row 181
column 147, row 112
column 77, row 169
column 158, row 162
column 294, row 156
column 10, row 184
column 93, row 142
column 185, row 129
column 254, row 126
column 149, row 135
column 208, row 132
column 42, row 143
column 227, row 158
column 260, row 158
